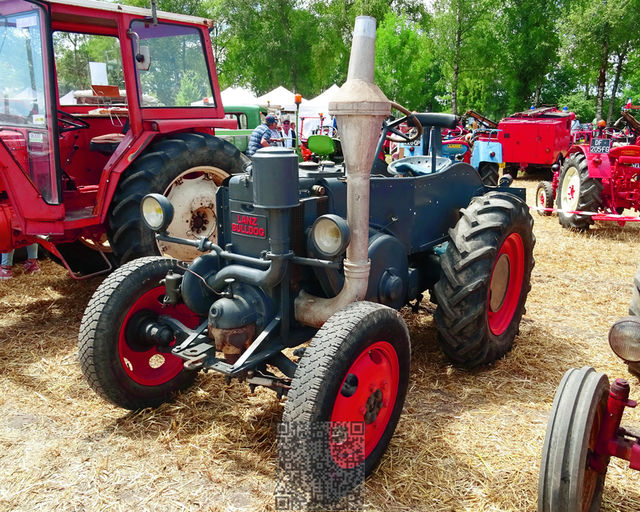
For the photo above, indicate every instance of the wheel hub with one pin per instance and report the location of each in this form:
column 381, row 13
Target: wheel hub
column 373, row 406
column 500, row 282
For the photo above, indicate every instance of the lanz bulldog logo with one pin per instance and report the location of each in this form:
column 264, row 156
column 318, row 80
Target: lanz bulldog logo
column 248, row 225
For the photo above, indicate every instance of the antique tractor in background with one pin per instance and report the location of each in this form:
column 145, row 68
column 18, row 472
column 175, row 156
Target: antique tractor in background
column 82, row 142
column 481, row 149
column 596, row 182
column 301, row 255
column 584, row 432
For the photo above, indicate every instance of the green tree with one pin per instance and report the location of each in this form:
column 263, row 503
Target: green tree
column 405, row 68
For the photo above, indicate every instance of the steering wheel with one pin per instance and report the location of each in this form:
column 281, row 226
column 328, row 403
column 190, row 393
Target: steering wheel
column 395, row 135
column 71, row 122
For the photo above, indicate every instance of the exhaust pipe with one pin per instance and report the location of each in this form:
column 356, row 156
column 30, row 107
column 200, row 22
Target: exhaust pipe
column 360, row 107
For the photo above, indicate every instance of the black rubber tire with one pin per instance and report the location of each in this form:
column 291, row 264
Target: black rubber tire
column 566, row 481
column 544, row 197
column 488, row 172
column 103, row 322
column 319, row 379
column 153, row 172
column 589, row 195
column 465, row 314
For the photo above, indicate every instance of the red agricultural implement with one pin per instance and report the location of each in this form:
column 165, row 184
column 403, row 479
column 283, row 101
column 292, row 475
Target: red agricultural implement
column 584, row 429
column 95, row 112
column 535, row 139
column 598, row 180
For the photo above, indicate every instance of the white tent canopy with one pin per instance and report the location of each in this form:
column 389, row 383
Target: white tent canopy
column 279, row 97
column 238, row 96
column 322, row 100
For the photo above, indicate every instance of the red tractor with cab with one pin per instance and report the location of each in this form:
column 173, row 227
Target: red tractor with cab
column 95, row 112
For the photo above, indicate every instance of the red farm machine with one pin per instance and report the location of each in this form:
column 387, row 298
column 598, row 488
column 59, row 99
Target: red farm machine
column 584, row 430
column 95, row 112
column 535, row 139
column 599, row 179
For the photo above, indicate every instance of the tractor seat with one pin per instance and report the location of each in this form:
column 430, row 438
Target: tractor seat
column 321, row 145
column 417, row 166
column 107, row 143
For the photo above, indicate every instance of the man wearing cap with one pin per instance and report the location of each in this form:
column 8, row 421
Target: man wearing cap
column 264, row 135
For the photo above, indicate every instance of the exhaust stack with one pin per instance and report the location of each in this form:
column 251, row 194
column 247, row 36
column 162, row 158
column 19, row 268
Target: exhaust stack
column 360, row 107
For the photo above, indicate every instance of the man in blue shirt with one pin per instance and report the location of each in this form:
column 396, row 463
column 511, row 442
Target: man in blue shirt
column 264, row 135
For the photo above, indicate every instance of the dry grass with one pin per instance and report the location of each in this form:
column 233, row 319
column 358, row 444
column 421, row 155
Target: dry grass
column 467, row 441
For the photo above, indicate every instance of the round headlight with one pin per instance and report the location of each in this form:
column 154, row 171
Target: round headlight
column 624, row 338
column 157, row 212
column 330, row 235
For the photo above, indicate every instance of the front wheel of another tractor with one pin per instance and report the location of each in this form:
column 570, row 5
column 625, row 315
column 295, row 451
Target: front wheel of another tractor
column 544, row 198
column 120, row 360
column 577, row 192
column 485, row 279
column 347, row 395
column 187, row 168
column 567, row 481
column 488, row 172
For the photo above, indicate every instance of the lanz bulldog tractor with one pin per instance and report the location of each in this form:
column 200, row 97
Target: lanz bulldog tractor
column 95, row 112
column 584, row 429
column 279, row 277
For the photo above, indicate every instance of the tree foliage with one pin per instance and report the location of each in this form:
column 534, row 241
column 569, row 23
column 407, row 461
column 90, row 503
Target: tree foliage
column 494, row 56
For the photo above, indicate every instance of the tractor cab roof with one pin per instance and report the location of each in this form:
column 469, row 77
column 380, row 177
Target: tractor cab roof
column 79, row 8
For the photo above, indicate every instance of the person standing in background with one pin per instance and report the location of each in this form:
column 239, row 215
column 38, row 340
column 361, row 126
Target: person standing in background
column 30, row 265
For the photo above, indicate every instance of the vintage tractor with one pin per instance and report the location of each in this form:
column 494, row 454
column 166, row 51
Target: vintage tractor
column 95, row 112
column 480, row 149
column 584, row 429
column 596, row 182
column 302, row 256
column 535, row 139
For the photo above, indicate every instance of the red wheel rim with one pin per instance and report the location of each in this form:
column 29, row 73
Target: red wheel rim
column 150, row 367
column 378, row 373
column 506, row 284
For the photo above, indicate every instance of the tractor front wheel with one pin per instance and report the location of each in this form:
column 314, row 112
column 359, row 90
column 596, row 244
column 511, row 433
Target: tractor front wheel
column 488, row 172
column 118, row 358
column 353, row 379
column 485, row 279
column 187, row 168
column 577, row 192
column 567, row 481
column 544, row 198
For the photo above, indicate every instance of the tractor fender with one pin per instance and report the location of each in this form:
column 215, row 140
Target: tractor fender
column 598, row 164
column 485, row 151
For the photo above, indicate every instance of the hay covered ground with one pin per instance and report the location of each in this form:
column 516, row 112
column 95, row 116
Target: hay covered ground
column 467, row 441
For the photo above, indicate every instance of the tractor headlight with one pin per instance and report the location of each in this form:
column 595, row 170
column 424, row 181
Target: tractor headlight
column 157, row 212
column 330, row 235
column 624, row 338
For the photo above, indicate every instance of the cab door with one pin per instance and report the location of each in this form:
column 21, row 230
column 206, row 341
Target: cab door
column 28, row 126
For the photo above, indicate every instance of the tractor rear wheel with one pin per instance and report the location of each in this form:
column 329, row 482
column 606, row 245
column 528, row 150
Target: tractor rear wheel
column 567, row 482
column 577, row 192
column 188, row 168
column 544, row 197
column 485, row 279
column 352, row 379
column 488, row 172
column 117, row 358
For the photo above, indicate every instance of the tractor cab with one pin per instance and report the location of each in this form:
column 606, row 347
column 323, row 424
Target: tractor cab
column 85, row 90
